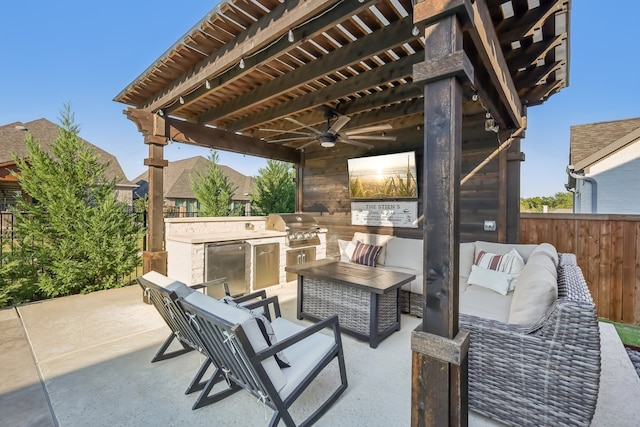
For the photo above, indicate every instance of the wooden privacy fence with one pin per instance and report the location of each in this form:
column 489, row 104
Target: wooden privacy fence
column 608, row 251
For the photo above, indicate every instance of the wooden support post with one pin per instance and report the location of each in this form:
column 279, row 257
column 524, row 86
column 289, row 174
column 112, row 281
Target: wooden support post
column 514, row 159
column 153, row 127
column 439, row 382
column 155, row 257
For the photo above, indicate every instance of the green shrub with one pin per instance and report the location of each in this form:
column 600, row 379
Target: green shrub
column 75, row 237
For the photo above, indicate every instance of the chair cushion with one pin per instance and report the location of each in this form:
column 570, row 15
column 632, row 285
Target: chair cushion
column 265, row 327
column 235, row 315
column 366, row 254
column 168, row 283
column 304, row 355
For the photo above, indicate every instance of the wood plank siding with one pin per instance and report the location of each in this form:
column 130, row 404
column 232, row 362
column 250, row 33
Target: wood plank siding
column 608, row 251
column 325, row 189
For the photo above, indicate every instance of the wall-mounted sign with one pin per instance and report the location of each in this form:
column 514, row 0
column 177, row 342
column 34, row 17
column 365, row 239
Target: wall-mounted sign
column 385, row 214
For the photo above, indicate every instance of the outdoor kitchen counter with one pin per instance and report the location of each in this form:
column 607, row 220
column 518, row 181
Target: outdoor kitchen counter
column 225, row 236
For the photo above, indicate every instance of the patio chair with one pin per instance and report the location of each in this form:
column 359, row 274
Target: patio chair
column 162, row 292
column 232, row 336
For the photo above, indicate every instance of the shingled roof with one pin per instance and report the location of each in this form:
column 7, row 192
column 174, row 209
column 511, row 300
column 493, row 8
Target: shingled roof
column 12, row 142
column 176, row 179
column 590, row 138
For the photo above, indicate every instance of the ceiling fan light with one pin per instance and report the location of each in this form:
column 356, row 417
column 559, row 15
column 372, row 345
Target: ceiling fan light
column 328, row 144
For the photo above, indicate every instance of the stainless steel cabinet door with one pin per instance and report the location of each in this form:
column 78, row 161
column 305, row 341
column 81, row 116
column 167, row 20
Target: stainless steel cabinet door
column 266, row 265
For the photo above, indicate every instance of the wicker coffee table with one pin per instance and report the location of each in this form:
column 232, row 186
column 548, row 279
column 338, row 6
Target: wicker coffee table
column 366, row 299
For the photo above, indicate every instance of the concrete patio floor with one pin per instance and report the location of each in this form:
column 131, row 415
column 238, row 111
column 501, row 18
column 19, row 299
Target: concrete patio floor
column 84, row 360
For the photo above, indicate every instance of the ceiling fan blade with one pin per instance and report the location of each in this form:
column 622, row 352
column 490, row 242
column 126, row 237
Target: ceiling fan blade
column 338, row 124
column 374, row 128
column 314, row 130
column 359, row 144
column 298, row 138
column 306, row 145
column 373, row 137
column 286, row 131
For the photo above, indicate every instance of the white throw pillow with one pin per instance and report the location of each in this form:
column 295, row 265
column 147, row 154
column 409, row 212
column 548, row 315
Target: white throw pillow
column 347, row 247
column 511, row 263
column 491, row 279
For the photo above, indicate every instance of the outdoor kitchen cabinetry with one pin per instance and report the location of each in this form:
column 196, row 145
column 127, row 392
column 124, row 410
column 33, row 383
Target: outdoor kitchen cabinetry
column 299, row 256
column 266, row 265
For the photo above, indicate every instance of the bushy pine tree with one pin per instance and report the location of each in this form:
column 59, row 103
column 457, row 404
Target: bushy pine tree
column 274, row 190
column 75, row 237
column 213, row 190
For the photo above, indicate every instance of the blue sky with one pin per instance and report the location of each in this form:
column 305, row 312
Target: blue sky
column 74, row 51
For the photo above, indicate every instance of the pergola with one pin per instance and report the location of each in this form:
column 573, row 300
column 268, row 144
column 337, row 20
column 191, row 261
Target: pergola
column 453, row 78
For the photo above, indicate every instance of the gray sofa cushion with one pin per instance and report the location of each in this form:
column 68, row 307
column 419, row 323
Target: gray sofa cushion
column 467, row 254
column 536, row 291
column 406, row 253
column 503, row 248
column 482, row 302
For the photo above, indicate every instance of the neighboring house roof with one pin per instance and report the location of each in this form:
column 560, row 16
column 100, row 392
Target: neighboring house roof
column 594, row 141
column 177, row 182
column 12, row 142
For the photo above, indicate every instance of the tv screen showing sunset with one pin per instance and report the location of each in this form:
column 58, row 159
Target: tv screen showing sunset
column 390, row 176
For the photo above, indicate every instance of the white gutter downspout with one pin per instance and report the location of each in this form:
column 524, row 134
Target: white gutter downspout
column 594, row 187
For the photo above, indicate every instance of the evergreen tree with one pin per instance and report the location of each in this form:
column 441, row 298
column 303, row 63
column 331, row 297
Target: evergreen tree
column 274, row 190
column 75, row 237
column 213, row 190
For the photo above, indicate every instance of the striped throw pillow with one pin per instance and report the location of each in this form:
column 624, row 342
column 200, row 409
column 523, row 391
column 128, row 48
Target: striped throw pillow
column 510, row 262
column 366, row 254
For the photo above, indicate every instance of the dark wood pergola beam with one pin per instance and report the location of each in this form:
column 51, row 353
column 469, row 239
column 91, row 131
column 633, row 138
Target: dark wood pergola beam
column 541, row 92
column 523, row 58
column 310, row 30
column 519, row 28
column 392, row 71
column 526, row 80
column 208, row 137
column 477, row 23
column 266, row 29
column 380, row 41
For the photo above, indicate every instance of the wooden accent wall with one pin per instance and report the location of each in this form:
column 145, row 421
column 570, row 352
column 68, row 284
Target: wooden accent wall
column 608, row 251
column 325, row 187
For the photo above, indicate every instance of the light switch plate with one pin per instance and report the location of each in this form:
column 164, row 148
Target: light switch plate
column 489, row 226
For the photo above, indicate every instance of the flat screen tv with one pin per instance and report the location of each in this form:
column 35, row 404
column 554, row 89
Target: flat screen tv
column 389, row 176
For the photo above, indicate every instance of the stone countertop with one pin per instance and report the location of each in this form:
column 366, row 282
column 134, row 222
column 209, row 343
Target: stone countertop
column 225, row 236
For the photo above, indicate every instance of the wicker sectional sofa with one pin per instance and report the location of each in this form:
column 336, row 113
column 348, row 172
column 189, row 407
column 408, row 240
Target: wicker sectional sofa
column 534, row 355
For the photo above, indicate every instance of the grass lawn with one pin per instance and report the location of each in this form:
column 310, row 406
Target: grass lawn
column 629, row 334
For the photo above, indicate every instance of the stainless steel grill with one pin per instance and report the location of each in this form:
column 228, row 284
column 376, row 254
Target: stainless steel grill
column 302, row 229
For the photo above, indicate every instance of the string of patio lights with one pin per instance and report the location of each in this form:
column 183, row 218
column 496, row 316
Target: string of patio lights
column 242, row 63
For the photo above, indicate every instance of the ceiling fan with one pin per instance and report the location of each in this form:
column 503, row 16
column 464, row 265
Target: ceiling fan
column 333, row 134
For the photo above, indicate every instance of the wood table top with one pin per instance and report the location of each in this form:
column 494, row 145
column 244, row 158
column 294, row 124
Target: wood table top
column 372, row 279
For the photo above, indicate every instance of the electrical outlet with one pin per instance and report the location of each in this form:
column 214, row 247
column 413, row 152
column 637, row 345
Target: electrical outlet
column 489, row 226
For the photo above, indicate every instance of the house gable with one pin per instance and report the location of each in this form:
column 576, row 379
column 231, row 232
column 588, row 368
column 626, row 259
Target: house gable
column 12, row 142
column 588, row 139
column 177, row 179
